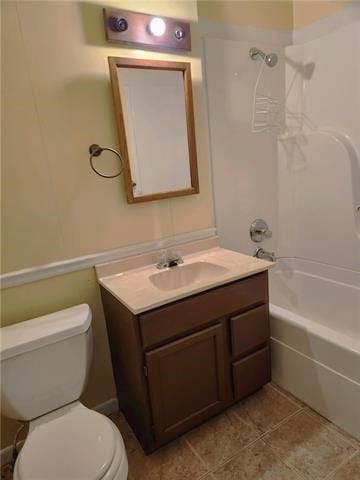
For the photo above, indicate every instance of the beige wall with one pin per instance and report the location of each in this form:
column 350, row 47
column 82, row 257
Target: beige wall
column 56, row 102
column 307, row 12
column 278, row 15
column 265, row 14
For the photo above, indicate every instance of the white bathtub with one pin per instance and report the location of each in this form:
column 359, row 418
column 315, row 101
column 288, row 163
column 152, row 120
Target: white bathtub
column 315, row 321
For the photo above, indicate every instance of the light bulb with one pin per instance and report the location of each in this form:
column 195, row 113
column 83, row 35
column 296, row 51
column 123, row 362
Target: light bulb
column 157, row 26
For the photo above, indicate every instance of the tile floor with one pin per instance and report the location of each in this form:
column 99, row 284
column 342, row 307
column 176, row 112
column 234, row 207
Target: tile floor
column 268, row 436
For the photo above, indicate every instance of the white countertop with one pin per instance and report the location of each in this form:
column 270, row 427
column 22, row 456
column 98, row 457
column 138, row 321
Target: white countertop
column 135, row 290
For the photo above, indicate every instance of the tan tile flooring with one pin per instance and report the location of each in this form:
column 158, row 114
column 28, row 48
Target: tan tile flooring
column 268, row 436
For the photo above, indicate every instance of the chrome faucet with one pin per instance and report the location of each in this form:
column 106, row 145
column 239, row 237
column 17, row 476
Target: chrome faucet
column 265, row 255
column 169, row 259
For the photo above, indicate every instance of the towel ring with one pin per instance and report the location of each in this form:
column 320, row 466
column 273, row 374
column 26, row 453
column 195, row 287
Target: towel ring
column 95, row 151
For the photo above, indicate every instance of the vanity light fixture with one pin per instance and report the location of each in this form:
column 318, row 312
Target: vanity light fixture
column 157, row 26
column 179, row 33
column 136, row 29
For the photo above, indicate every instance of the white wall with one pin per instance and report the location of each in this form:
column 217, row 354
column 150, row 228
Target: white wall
column 306, row 184
column 319, row 172
column 244, row 164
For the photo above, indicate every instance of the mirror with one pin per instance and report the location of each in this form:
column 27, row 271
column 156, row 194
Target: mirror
column 155, row 120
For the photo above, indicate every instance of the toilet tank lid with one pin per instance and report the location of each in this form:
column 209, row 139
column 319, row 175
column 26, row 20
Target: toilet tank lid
column 39, row 332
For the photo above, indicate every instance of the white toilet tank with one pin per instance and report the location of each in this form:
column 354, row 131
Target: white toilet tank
column 45, row 362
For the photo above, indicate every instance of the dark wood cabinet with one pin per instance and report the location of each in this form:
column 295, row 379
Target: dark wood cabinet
column 179, row 364
column 186, row 381
column 249, row 330
column 251, row 373
column 194, row 312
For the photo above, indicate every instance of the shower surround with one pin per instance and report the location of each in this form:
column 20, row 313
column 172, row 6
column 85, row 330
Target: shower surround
column 304, row 180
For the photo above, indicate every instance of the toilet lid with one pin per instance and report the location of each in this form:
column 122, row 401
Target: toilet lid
column 79, row 445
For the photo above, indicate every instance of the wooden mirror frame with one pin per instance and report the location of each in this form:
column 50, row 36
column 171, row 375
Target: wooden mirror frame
column 184, row 67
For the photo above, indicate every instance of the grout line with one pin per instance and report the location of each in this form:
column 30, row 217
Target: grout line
column 286, row 462
column 275, row 426
column 299, row 409
column 220, row 464
column 246, row 423
column 280, row 424
column 206, row 476
column 271, row 385
column 229, row 459
column 332, row 428
column 198, row 456
column 327, row 427
column 250, row 444
column 259, row 438
column 333, row 472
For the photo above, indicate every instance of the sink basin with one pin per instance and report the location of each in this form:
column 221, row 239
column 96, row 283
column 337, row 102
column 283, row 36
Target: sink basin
column 184, row 275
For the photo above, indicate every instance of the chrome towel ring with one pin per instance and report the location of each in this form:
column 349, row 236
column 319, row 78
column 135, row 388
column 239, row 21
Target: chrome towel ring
column 95, row 151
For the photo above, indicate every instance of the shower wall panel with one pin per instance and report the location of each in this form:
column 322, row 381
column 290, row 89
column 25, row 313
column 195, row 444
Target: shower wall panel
column 244, row 164
column 319, row 164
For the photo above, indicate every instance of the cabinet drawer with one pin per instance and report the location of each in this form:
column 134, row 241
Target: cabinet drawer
column 250, row 330
column 178, row 318
column 251, row 372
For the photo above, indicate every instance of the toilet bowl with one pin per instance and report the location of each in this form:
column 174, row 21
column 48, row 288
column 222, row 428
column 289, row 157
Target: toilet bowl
column 72, row 443
column 45, row 363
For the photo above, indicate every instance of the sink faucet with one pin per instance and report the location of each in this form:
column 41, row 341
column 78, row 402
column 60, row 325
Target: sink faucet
column 261, row 253
column 169, row 259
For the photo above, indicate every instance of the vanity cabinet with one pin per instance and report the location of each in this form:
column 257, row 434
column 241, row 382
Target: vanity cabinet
column 181, row 363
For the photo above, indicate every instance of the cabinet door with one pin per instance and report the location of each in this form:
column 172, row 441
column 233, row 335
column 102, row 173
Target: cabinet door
column 186, row 382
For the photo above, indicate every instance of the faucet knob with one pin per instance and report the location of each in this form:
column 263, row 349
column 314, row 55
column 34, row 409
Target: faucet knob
column 169, row 258
column 259, row 230
column 174, row 256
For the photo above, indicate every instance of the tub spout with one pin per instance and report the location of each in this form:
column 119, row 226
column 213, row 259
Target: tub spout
column 263, row 254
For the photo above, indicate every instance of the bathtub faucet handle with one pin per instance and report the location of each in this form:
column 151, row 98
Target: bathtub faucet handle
column 259, row 230
column 263, row 231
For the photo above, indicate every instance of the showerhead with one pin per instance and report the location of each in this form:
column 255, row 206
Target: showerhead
column 270, row 59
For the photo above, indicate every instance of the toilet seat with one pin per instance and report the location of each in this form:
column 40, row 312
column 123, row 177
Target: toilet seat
column 72, row 443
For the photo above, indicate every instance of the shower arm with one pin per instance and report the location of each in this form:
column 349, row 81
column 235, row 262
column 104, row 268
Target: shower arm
column 254, row 52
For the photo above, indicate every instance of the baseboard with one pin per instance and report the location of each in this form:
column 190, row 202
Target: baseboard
column 105, row 408
column 108, row 407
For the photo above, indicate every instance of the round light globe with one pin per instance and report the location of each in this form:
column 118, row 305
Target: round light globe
column 157, row 27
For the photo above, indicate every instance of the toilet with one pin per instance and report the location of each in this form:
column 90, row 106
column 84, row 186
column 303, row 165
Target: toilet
column 45, row 364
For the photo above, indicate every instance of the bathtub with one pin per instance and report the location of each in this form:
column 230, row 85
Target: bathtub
column 315, row 328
